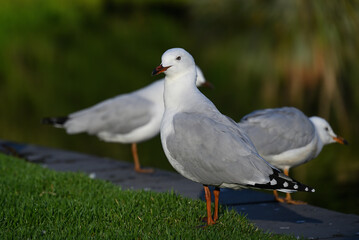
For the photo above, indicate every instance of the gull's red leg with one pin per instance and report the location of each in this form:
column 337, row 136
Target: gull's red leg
column 207, row 195
column 279, row 199
column 137, row 161
column 216, row 200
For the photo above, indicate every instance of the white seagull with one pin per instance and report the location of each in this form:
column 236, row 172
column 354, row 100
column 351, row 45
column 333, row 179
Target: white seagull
column 206, row 146
column 128, row 118
column 286, row 138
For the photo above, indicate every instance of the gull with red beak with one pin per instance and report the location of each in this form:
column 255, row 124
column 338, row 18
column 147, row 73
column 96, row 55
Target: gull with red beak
column 286, row 138
column 159, row 69
column 206, row 146
column 128, row 118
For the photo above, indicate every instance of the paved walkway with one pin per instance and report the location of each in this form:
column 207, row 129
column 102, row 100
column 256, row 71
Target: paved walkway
column 302, row 220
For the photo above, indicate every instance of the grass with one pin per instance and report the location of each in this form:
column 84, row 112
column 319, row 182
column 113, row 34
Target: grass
column 38, row 203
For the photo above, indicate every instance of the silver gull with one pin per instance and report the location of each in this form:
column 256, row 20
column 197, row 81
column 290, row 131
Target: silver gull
column 286, row 138
column 128, row 118
column 206, row 146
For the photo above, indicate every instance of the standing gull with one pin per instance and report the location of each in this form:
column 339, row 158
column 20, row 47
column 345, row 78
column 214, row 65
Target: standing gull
column 205, row 146
column 286, row 138
column 128, row 118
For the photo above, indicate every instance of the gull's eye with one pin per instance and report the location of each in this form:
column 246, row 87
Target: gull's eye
column 178, row 58
column 326, row 129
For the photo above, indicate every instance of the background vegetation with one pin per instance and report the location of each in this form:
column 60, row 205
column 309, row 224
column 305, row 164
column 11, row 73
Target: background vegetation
column 57, row 57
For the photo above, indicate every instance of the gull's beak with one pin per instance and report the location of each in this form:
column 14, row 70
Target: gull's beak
column 340, row 140
column 159, row 70
column 207, row 85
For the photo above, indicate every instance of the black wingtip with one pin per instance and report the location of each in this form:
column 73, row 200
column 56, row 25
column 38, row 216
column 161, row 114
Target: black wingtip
column 54, row 120
column 278, row 181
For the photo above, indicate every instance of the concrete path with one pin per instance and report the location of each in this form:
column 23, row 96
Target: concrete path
column 300, row 220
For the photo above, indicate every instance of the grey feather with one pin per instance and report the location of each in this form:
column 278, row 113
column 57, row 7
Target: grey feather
column 214, row 150
column 277, row 130
column 118, row 115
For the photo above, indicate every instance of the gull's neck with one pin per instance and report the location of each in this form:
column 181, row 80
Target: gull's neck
column 320, row 143
column 180, row 91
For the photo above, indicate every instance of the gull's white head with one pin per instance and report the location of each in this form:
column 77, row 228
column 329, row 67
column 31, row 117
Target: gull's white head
column 325, row 132
column 175, row 62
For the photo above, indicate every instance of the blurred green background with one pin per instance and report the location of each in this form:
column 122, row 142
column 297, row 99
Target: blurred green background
column 60, row 56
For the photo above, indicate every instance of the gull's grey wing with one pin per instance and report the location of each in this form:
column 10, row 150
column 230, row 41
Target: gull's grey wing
column 277, row 130
column 215, row 151
column 119, row 115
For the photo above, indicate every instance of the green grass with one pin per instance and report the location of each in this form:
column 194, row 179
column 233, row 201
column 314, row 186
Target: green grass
column 40, row 203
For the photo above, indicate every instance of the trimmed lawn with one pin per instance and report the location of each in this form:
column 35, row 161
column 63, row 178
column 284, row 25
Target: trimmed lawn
column 43, row 204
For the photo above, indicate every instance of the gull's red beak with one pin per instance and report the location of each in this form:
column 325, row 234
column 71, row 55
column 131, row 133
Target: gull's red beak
column 159, row 70
column 340, row 140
